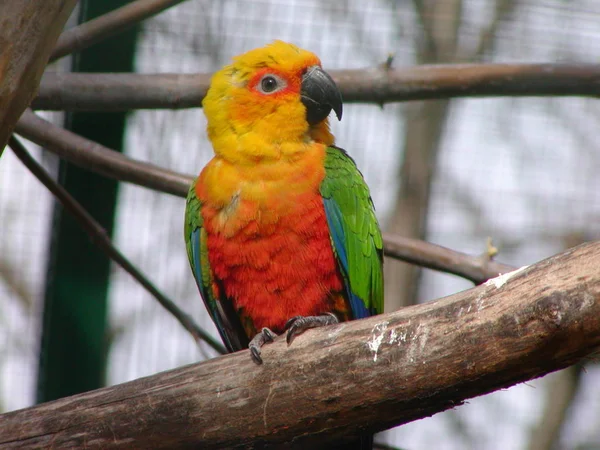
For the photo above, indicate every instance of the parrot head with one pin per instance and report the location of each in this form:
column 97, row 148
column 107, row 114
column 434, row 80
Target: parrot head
column 268, row 101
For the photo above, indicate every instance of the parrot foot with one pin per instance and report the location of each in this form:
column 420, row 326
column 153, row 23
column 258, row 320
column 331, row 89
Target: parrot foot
column 299, row 324
column 265, row 336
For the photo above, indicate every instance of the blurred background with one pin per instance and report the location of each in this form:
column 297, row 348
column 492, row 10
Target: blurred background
column 523, row 171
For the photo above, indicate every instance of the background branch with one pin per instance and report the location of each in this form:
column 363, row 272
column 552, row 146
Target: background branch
column 560, row 393
column 123, row 92
column 98, row 158
column 488, row 35
column 103, row 27
column 100, row 238
column 398, row 367
column 93, row 156
column 428, row 44
column 477, row 269
column 423, row 131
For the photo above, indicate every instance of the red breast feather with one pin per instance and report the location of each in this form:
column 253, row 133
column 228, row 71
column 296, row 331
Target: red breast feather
column 275, row 271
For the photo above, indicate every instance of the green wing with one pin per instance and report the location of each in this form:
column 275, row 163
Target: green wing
column 355, row 234
column 220, row 309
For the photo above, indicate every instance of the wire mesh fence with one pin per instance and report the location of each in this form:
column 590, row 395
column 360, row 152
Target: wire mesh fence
column 522, row 171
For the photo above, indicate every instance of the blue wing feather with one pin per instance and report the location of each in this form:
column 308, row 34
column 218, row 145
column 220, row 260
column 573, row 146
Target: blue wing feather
column 338, row 239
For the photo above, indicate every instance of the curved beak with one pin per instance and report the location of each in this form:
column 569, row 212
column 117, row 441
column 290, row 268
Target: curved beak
column 320, row 95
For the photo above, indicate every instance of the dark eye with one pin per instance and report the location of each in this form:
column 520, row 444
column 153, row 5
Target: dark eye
column 268, row 84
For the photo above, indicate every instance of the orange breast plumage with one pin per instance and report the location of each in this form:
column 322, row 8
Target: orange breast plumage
column 269, row 245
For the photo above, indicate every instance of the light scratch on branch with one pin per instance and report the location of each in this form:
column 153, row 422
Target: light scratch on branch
column 501, row 280
column 269, row 396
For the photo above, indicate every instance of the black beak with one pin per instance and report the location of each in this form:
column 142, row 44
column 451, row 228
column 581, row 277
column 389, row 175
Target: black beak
column 320, row 95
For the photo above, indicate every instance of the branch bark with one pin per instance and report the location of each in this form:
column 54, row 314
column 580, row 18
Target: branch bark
column 28, row 30
column 365, row 375
column 477, row 269
column 93, row 156
column 124, row 92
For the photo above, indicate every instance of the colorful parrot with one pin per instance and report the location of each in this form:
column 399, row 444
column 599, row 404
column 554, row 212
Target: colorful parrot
column 280, row 227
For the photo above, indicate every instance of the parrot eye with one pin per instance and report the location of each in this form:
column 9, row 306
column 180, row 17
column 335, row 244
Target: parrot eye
column 270, row 84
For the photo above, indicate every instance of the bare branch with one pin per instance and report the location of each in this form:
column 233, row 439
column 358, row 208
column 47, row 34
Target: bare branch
column 28, row 30
column 476, row 269
column 93, row 156
column 120, row 92
column 360, row 376
column 107, row 25
column 124, row 92
column 99, row 237
column 561, row 389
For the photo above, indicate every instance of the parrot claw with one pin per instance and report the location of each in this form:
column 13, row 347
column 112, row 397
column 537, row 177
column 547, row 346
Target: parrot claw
column 265, row 336
column 299, row 324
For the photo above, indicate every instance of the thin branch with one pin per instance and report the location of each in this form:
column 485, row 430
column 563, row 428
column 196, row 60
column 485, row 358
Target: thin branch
column 93, row 156
column 477, row 269
column 100, row 238
column 107, row 25
column 127, row 91
column 28, row 30
column 120, row 92
column 333, row 382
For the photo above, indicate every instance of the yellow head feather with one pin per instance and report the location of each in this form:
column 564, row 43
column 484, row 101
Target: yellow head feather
column 245, row 124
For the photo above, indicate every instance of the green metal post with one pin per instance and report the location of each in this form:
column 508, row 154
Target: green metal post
column 73, row 343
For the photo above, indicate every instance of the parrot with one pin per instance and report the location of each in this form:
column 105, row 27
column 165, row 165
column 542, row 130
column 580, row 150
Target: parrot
column 280, row 228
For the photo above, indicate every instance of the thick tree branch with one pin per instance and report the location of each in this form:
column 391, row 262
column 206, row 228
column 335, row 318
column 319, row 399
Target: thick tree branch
column 366, row 375
column 28, row 30
column 93, row 156
column 100, row 238
column 123, row 92
column 114, row 22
